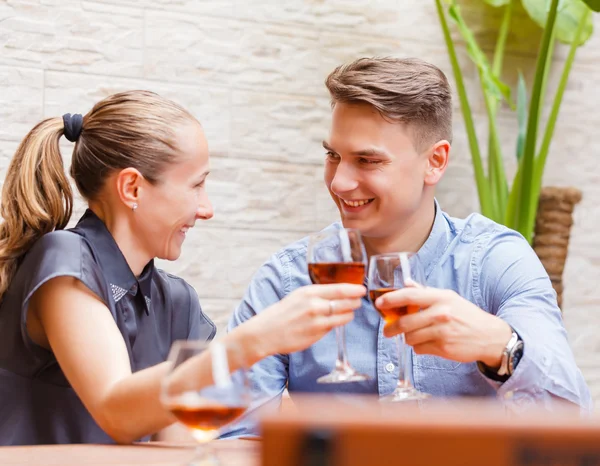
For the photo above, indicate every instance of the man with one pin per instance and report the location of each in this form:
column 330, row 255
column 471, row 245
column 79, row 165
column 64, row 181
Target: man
column 487, row 293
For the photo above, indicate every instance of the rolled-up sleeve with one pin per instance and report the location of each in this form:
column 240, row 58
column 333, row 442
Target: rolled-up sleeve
column 513, row 284
column 269, row 376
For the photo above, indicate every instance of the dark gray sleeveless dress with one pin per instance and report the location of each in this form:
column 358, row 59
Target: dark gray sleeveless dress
column 37, row 404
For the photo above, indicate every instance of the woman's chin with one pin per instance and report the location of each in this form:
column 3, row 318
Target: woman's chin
column 171, row 255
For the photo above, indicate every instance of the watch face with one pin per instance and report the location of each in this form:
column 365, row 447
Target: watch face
column 515, row 357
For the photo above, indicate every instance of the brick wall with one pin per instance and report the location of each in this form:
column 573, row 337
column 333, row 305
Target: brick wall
column 252, row 72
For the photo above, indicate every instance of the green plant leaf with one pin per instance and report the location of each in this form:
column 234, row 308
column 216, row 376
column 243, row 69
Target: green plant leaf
column 502, row 37
column 540, row 161
column 521, row 115
column 491, row 84
column 567, row 18
column 511, row 216
column 593, row 5
column 483, row 187
column 497, row 2
column 497, row 175
column 527, row 165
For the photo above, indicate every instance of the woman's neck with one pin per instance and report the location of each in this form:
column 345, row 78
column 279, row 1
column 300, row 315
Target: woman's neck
column 119, row 226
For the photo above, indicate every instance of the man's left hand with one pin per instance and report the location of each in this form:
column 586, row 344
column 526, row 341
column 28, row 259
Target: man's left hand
column 448, row 326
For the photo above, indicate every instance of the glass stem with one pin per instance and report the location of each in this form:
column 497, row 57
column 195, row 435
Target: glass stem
column 205, row 456
column 403, row 381
column 340, row 336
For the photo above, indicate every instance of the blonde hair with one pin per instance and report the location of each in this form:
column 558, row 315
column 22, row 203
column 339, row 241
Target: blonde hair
column 406, row 90
column 130, row 129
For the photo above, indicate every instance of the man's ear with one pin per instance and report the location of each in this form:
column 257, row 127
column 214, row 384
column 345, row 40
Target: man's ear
column 437, row 161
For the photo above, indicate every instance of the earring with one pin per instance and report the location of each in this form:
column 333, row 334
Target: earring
column 134, row 206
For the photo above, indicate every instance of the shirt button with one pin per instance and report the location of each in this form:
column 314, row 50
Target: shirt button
column 389, row 367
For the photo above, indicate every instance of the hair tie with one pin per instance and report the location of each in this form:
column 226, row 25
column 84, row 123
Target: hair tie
column 73, row 126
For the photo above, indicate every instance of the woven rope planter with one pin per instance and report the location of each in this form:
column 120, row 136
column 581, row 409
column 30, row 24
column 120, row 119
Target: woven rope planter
column 552, row 231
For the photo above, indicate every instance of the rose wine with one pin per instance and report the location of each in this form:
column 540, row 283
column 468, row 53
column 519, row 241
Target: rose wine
column 393, row 314
column 337, row 272
column 206, row 418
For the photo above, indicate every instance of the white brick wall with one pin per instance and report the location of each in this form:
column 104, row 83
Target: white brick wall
column 252, row 72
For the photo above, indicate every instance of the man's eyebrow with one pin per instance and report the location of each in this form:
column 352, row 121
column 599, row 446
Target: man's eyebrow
column 370, row 152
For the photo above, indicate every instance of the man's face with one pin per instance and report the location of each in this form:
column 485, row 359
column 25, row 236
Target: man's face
column 373, row 171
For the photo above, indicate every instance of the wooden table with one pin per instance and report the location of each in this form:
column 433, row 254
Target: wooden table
column 229, row 452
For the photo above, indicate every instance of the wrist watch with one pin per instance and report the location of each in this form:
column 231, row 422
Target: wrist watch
column 511, row 355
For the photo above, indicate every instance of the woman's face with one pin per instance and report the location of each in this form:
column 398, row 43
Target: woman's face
column 170, row 207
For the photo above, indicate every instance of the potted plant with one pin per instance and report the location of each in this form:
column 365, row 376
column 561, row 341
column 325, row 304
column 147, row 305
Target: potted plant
column 542, row 216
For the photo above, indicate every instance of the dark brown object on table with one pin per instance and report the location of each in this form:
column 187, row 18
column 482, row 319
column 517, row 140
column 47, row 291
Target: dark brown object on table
column 361, row 430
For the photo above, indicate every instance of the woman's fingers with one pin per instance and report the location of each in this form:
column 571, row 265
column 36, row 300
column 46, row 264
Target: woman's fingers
column 335, row 291
column 335, row 320
column 341, row 306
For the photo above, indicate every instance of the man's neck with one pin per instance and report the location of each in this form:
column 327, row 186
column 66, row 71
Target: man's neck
column 408, row 239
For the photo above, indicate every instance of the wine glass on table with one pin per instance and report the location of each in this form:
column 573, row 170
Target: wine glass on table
column 205, row 400
column 389, row 272
column 338, row 256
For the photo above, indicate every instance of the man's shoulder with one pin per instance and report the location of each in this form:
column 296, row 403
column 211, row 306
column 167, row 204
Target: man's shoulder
column 296, row 252
column 479, row 229
column 493, row 246
column 287, row 268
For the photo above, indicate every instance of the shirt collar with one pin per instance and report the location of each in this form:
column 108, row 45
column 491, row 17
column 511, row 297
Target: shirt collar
column 436, row 243
column 113, row 263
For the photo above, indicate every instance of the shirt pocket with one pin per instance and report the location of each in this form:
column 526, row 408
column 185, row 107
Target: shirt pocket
column 428, row 361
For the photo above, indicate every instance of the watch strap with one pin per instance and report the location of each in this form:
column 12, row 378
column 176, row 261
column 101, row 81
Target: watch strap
column 503, row 373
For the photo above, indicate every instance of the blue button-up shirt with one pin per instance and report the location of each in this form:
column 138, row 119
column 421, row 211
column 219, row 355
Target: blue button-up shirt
column 486, row 263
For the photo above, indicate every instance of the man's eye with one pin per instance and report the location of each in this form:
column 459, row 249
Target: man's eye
column 368, row 161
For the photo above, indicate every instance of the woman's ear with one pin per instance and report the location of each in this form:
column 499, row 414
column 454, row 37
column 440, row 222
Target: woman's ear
column 129, row 185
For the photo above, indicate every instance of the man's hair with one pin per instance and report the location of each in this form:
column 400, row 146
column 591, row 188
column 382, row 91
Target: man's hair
column 405, row 90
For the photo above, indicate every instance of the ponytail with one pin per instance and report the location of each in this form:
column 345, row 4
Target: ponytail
column 36, row 196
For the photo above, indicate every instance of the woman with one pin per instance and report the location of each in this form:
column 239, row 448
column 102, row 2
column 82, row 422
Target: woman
column 86, row 320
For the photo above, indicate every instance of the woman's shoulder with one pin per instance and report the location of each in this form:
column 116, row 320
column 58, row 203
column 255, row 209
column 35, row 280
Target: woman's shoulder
column 61, row 248
column 183, row 305
column 59, row 240
column 60, row 253
column 176, row 287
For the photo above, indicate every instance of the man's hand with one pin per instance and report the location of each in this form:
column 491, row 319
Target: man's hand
column 448, row 326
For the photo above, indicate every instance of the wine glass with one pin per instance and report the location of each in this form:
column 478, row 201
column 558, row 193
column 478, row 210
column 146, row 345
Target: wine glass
column 338, row 256
column 206, row 388
column 389, row 272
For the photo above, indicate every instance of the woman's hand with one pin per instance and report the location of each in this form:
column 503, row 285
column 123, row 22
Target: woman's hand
column 300, row 319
